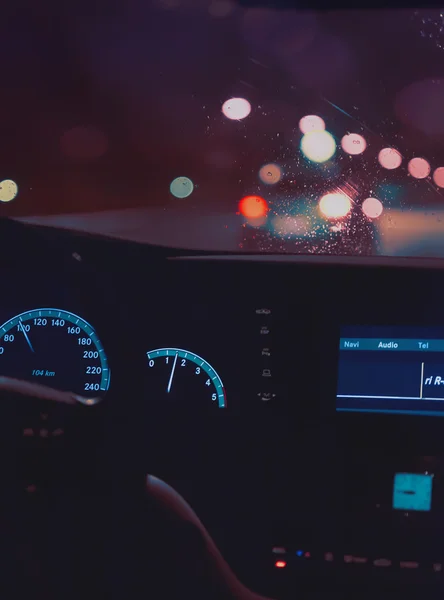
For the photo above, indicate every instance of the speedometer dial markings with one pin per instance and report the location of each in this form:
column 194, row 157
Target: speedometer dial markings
column 186, row 378
column 57, row 348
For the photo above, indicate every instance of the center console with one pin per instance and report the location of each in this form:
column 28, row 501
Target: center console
column 361, row 489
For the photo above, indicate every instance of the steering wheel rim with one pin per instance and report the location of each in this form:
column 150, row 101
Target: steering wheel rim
column 157, row 498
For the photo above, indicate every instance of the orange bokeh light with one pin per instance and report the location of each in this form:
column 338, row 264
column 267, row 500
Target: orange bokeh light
column 253, row 207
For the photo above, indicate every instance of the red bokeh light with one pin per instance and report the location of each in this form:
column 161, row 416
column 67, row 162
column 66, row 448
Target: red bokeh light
column 390, row 158
column 253, row 207
column 353, row 144
column 280, row 564
column 372, row 208
column 419, row 168
column 438, row 177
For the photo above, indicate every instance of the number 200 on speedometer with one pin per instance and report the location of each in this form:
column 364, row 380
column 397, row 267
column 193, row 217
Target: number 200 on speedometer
column 55, row 348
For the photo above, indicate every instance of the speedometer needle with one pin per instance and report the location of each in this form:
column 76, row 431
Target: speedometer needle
column 26, row 336
column 172, row 374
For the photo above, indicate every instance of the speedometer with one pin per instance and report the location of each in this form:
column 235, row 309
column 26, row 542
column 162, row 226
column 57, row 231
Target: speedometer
column 56, row 348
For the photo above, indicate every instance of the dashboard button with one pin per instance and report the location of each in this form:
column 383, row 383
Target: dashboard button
column 382, row 562
column 266, row 396
column 263, row 311
column 409, row 564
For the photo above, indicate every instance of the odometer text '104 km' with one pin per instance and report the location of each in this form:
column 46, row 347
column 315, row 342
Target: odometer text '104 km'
column 55, row 348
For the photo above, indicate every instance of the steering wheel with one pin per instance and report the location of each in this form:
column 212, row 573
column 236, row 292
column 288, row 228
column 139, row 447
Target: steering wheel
column 72, row 526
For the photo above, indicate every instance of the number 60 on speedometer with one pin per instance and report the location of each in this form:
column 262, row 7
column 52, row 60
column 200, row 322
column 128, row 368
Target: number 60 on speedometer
column 56, row 348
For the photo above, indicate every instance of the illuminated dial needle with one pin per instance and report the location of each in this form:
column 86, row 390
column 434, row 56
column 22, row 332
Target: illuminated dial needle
column 26, row 335
column 172, row 374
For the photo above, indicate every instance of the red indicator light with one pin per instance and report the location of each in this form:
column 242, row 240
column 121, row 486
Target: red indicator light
column 280, row 564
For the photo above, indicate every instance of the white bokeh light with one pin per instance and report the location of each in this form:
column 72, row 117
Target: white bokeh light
column 236, row 109
column 318, row 146
column 8, row 190
column 311, row 123
column 335, row 205
column 181, row 187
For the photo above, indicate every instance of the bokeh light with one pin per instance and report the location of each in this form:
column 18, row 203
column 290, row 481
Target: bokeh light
column 318, row 146
column 311, row 123
column 8, row 190
column 253, row 207
column 390, row 158
column 372, row 208
column 285, row 225
column 335, row 205
column 270, row 174
column 438, row 177
column 419, row 168
column 236, row 109
column 181, row 187
column 84, row 143
column 353, row 143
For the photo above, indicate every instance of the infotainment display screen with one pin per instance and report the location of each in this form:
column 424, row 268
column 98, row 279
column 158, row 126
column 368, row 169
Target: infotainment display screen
column 391, row 370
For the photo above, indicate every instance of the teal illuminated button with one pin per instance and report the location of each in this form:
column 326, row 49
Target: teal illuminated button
column 412, row 491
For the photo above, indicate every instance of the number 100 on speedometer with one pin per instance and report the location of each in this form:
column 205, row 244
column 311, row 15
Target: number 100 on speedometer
column 56, row 348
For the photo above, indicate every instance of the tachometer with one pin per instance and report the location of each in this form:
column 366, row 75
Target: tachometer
column 182, row 376
column 56, row 348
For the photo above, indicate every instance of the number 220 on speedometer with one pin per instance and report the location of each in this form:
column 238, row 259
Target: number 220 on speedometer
column 55, row 348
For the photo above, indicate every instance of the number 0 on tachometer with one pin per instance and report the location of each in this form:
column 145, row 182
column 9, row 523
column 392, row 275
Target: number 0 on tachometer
column 55, row 348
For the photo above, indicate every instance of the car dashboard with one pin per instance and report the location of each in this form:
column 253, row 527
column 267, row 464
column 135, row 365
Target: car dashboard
column 237, row 380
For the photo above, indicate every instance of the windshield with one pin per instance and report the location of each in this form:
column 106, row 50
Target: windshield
column 207, row 124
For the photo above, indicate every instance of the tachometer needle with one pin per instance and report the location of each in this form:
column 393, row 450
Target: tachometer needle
column 26, row 335
column 172, row 374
